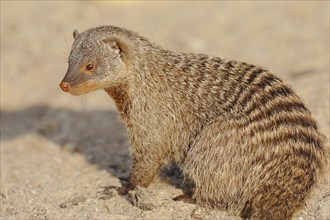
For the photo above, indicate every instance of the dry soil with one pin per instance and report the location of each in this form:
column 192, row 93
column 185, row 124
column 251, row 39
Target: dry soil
column 60, row 153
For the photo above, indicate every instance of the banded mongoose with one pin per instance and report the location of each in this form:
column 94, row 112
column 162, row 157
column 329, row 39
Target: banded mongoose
column 238, row 132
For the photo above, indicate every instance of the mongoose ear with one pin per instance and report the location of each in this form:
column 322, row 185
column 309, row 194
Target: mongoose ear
column 75, row 34
column 119, row 46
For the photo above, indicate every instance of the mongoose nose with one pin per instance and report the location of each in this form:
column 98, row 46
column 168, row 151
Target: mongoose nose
column 65, row 86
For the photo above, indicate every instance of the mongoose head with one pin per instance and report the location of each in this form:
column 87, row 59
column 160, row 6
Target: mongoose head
column 97, row 61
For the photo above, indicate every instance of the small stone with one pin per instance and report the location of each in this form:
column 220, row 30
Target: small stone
column 73, row 202
column 39, row 211
column 11, row 211
column 70, row 147
column 143, row 198
column 78, row 199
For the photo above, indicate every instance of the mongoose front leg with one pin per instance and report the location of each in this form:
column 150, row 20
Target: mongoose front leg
column 142, row 173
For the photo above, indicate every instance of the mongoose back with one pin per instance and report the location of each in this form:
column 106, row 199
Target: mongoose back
column 238, row 132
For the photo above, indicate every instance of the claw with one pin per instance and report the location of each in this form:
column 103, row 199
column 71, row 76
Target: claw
column 185, row 198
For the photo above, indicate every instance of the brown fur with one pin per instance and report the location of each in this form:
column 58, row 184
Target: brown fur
column 239, row 133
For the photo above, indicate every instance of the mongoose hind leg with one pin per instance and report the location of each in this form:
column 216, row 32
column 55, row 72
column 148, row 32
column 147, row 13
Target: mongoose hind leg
column 280, row 191
column 245, row 177
column 212, row 164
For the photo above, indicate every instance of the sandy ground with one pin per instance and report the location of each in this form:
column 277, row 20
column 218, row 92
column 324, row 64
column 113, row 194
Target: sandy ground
column 59, row 153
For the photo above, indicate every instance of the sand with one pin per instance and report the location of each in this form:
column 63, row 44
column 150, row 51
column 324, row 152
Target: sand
column 60, row 153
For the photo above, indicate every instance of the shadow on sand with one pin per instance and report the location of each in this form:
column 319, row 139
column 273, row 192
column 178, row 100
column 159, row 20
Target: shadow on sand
column 99, row 135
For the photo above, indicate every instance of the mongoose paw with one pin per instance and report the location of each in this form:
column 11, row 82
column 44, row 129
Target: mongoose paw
column 123, row 190
column 185, row 198
column 109, row 192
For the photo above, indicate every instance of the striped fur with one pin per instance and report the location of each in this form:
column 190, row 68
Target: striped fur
column 238, row 132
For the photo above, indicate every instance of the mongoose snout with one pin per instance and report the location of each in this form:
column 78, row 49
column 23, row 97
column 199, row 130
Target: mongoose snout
column 65, row 86
column 239, row 133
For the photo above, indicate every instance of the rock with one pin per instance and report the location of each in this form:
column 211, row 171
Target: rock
column 144, row 199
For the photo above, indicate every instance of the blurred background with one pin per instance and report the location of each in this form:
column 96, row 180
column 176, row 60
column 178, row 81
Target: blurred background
column 288, row 38
column 42, row 128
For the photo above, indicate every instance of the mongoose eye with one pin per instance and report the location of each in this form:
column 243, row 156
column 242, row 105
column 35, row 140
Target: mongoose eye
column 90, row 67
